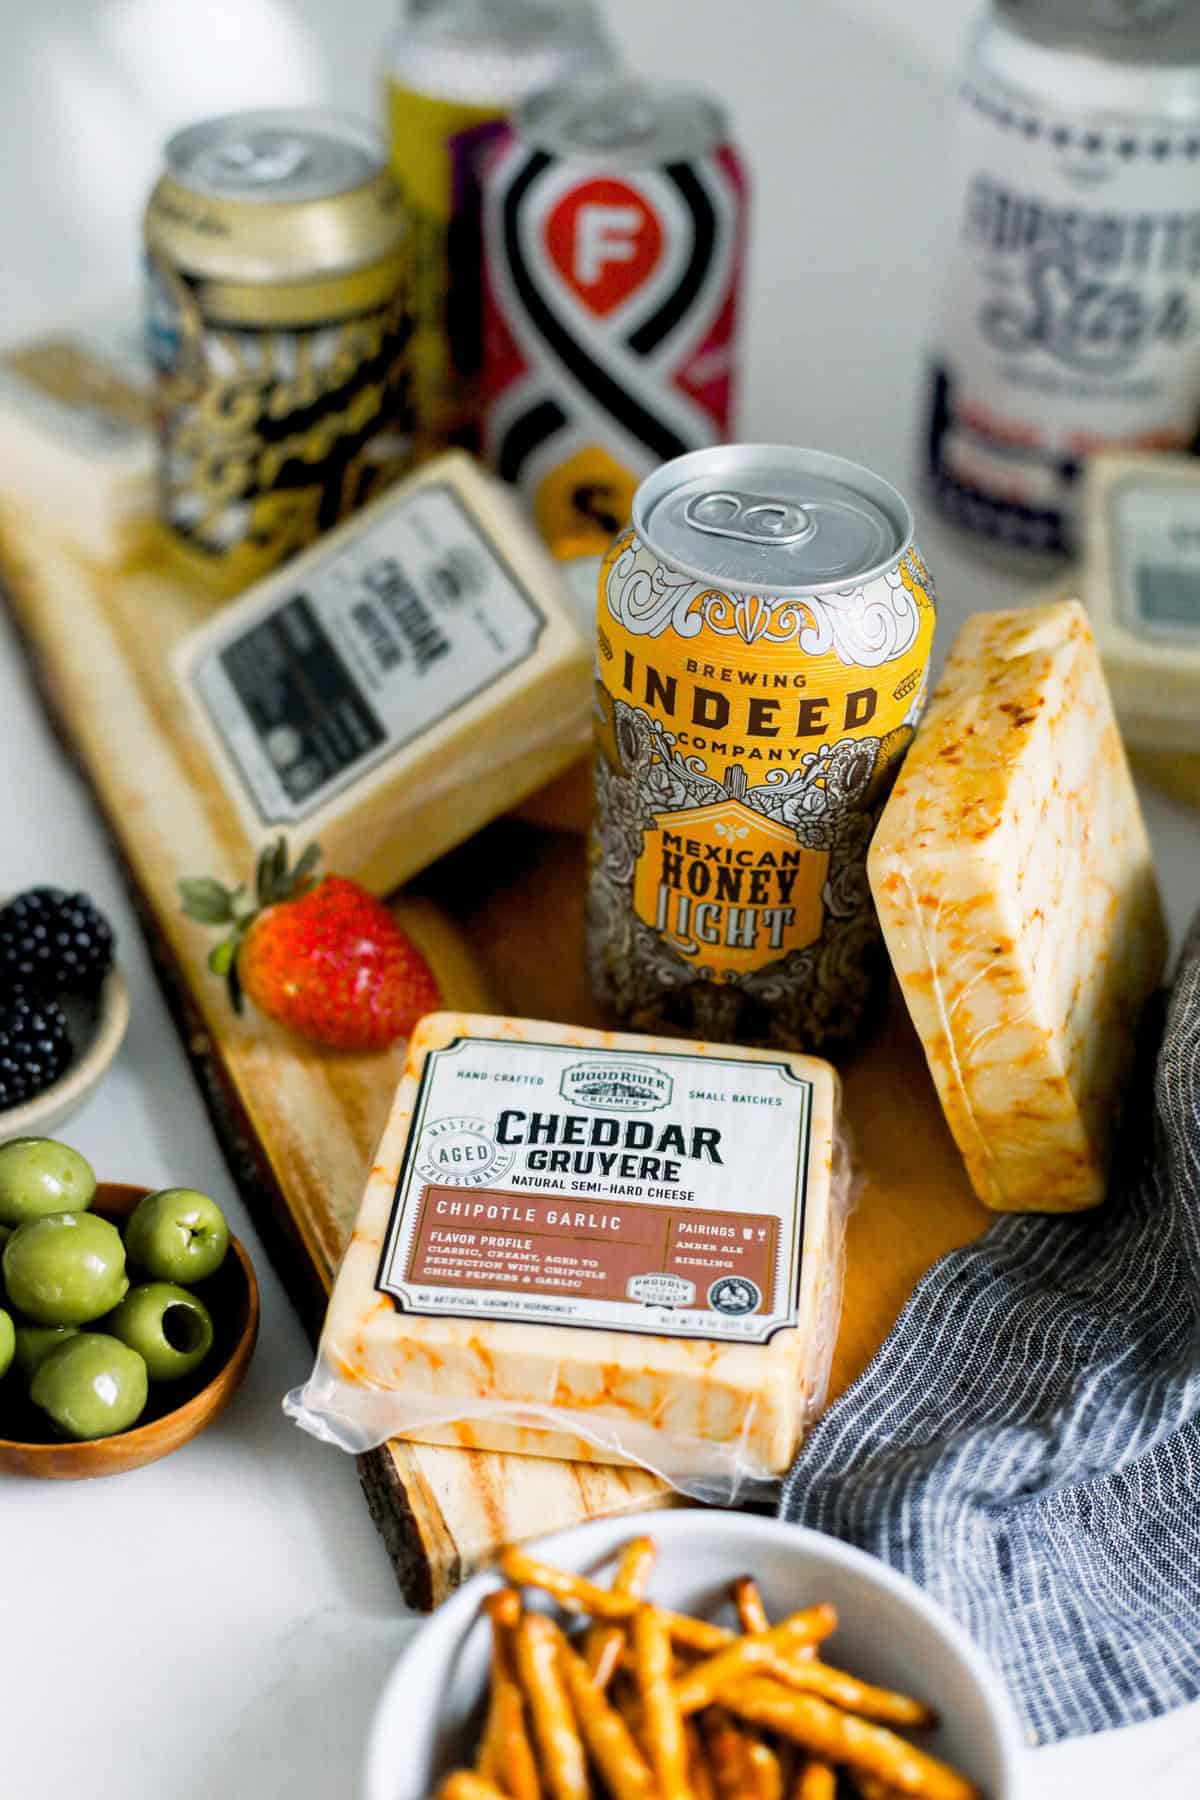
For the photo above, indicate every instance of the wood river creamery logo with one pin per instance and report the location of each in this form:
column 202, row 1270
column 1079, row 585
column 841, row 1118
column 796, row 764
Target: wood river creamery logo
column 616, row 1086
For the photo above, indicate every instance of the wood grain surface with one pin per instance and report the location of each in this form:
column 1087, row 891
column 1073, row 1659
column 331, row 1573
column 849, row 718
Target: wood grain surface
column 501, row 919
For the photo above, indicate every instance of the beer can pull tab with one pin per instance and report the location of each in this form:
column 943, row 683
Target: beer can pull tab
column 751, row 518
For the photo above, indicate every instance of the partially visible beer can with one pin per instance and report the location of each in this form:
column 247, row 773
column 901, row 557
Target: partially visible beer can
column 763, row 639
column 457, row 69
column 276, row 323
column 613, row 228
column 1071, row 314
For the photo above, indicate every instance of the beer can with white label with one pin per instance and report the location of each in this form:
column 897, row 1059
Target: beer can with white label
column 1071, row 315
column 614, row 223
column 762, row 646
column 277, row 324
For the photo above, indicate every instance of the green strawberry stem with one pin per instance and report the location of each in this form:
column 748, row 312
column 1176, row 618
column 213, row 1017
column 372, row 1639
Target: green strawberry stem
column 210, row 902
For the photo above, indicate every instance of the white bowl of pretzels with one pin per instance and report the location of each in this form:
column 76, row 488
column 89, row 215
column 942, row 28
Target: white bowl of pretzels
column 693, row 1655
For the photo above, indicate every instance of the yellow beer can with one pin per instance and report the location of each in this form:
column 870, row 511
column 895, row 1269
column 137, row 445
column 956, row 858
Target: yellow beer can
column 763, row 637
column 277, row 327
column 456, row 70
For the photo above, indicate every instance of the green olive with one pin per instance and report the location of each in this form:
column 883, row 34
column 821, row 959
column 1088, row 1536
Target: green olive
column 39, row 1176
column 8, row 1342
column 34, row 1344
column 65, row 1269
column 169, row 1328
column 91, row 1386
column 177, row 1235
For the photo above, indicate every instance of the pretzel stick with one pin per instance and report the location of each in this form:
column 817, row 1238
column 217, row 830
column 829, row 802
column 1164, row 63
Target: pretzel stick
column 871, row 1788
column 726, row 1746
column 606, row 1734
column 662, row 1723
column 605, row 1644
column 537, row 1644
column 848, row 1692
column 510, row 1758
column 703, row 1683
column 751, row 1612
column 762, row 1767
column 816, row 1781
column 700, row 1776
column 840, row 1737
column 576, row 1594
column 465, row 1786
column 487, row 1762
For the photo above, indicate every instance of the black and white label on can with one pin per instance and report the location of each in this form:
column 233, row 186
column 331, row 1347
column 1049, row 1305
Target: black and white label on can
column 1072, row 311
column 1155, row 531
column 402, row 625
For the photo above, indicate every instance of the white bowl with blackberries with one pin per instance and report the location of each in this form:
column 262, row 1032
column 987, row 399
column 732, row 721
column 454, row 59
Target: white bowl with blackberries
column 64, row 1006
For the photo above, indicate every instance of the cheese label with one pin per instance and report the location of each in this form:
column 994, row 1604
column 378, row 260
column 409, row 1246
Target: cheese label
column 409, row 619
column 89, row 387
column 559, row 1184
column 1156, row 532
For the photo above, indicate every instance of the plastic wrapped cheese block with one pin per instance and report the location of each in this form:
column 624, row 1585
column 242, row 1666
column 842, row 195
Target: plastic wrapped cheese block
column 595, row 1246
column 1142, row 589
column 1015, row 888
column 411, row 676
column 77, row 445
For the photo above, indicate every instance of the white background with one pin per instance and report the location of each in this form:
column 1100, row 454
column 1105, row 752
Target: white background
column 221, row 1624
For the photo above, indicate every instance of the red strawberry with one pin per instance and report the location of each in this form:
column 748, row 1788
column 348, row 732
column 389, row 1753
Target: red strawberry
column 324, row 958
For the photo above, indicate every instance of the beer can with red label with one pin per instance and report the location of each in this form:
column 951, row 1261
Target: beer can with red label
column 614, row 226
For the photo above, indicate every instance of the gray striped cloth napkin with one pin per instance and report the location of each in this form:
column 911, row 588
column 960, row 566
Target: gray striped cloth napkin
column 1026, row 1444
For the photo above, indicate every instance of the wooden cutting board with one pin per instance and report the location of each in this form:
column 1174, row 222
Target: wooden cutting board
column 502, row 921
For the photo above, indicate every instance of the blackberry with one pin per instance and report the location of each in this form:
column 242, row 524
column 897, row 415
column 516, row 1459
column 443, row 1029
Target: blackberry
column 35, row 1047
column 54, row 942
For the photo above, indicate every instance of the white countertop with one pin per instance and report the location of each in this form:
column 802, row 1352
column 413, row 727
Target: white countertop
column 221, row 1624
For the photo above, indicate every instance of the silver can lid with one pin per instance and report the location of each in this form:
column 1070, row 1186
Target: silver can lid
column 772, row 519
column 622, row 121
column 278, row 155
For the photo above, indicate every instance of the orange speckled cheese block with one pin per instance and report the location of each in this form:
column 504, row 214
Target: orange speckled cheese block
column 1015, row 887
column 591, row 1245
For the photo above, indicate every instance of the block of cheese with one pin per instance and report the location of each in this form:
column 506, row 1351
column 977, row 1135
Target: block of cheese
column 591, row 1245
column 1014, row 884
column 1142, row 590
column 77, row 444
column 411, row 676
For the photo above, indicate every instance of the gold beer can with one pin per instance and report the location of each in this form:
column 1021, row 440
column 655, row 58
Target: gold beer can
column 762, row 649
column 277, row 325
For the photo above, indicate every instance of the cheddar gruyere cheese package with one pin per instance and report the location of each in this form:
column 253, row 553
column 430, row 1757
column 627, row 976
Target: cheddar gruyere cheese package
column 592, row 1245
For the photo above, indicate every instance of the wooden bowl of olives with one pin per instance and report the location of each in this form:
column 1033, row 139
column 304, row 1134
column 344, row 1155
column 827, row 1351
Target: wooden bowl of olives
column 127, row 1317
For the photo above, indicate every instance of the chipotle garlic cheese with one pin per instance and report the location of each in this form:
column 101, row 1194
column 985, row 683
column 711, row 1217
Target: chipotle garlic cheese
column 593, row 1245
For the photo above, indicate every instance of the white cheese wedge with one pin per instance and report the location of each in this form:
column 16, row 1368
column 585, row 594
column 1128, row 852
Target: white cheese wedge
column 591, row 1245
column 411, row 676
column 1015, row 887
column 1142, row 590
column 77, row 444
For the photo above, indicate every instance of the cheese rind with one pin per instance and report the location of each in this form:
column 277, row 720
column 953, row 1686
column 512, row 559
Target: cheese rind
column 413, row 675
column 1014, row 883
column 642, row 1363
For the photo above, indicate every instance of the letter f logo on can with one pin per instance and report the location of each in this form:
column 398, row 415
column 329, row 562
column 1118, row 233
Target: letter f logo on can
column 603, row 235
column 605, row 241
